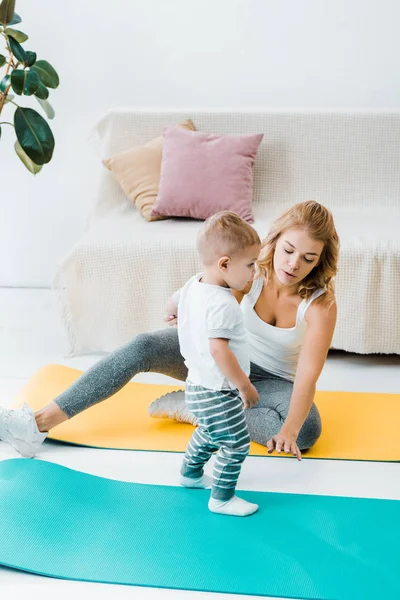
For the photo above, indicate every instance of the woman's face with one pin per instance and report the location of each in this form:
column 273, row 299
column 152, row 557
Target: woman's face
column 296, row 254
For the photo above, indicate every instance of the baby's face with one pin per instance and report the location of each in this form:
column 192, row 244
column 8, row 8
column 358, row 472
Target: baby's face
column 241, row 268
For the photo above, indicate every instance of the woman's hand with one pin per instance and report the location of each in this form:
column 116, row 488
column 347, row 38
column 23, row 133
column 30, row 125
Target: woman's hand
column 285, row 440
column 171, row 319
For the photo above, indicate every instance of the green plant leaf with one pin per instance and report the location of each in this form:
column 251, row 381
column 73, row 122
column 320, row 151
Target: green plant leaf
column 17, row 35
column 7, row 8
column 24, row 82
column 29, row 164
column 31, row 58
column 34, row 135
column 15, row 20
column 42, row 92
column 3, row 60
column 47, row 107
column 4, row 83
column 47, row 73
column 17, row 50
column 9, row 98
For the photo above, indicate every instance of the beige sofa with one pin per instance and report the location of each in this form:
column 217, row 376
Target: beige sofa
column 115, row 281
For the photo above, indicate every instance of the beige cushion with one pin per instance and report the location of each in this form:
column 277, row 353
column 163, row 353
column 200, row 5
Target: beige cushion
column 137, row 171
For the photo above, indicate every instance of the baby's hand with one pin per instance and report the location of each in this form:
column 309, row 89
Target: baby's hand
column 171, row 319
column 249, row 396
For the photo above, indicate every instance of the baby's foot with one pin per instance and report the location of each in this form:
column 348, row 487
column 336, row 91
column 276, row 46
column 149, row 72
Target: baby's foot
column 235, row 507
column 204, row 482
column 19, row 429
column 172, row 406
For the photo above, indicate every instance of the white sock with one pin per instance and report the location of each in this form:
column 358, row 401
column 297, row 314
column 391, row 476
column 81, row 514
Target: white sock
column 236, row 507
column 204, row 482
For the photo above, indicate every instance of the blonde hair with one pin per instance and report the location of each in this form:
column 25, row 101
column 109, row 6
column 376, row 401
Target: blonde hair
column 225, row 234
column 317, row 221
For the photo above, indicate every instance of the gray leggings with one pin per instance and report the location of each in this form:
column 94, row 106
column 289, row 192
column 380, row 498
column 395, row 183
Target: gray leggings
column 159, row 352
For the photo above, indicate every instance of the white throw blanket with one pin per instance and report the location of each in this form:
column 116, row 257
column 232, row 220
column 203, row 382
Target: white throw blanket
column 115, row 281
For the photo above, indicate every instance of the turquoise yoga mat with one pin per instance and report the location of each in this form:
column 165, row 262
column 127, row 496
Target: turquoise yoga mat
column 66, row 524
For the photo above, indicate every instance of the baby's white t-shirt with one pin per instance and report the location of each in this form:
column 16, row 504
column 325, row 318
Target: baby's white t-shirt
column 205, row 312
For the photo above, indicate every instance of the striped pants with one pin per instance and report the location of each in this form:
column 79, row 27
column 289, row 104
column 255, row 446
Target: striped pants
column 221, row 428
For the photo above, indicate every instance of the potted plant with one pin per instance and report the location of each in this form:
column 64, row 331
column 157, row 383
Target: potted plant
column 21, row 74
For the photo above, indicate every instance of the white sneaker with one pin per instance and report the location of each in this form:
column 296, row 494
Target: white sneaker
column 172, row 406
column 18, row 428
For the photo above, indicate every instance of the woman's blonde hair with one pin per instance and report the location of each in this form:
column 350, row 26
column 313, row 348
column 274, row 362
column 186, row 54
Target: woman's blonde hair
column 317, row 221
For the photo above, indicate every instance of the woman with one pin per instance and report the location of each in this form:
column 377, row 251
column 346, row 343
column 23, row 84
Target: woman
column 290, row 315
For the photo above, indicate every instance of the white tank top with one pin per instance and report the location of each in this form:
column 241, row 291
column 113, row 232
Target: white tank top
column 275, row 349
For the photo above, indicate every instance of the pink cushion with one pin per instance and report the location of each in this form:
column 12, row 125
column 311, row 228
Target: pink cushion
column 202, row 173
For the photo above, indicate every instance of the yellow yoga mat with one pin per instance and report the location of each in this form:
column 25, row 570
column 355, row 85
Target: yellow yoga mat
column 356, row 426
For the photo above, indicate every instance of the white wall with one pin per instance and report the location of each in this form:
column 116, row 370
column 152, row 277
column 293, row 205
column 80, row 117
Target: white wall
column 176, row 52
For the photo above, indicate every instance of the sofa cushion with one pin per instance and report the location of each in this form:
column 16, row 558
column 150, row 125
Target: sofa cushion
column 137, row 171
column 203, row 173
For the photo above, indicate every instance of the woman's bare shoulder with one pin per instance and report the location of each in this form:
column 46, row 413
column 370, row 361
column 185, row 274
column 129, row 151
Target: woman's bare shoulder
column 322, row 310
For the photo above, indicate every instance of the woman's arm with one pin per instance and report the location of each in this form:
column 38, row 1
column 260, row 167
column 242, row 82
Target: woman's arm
column 321, row 325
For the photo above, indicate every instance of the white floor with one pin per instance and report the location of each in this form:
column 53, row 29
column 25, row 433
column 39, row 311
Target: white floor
column 32, row 336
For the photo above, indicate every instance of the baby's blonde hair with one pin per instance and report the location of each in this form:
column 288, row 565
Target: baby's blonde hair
column 224, row 234
column 317, row 221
